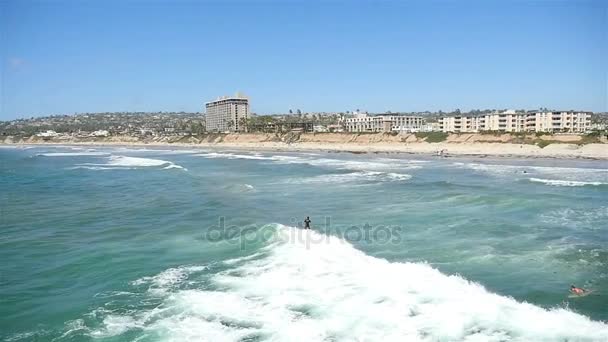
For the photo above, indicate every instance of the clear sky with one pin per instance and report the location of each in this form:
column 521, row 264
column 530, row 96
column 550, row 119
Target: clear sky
column 133, row 55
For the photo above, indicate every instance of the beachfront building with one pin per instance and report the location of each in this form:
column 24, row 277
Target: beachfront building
column 459, row 124
column 430, row 127
column 558, row 121
column 507, row 121
column 383, row 123
column 227, row 113
column 510, row 121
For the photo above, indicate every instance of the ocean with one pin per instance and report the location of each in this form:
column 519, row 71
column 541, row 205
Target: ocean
column 166, row 244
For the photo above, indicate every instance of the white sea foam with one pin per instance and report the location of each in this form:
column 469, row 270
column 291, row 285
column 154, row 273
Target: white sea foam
column 115, row 325
column 408, row 161
column 398, row 176
column 72, row 154
column 550, row 175
column 559, row 182
column 581, row 218
column 215, row 155
column 169, row 277
column 345, row 164
column 240, row 188
column 359, row 176
column 173, row 166
column 73, row 327
column 125, row 150
column 330, row 291
column 33, row 335
column 136, row 161
column 99, row 168
column 124, row 162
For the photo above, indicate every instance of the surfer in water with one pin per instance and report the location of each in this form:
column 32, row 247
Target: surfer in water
column 577, row 290
column 307, row 223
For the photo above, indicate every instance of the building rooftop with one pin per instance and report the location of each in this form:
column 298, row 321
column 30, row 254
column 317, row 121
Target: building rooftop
column 237, row 96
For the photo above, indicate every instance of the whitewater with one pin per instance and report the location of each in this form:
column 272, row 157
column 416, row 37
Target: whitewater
column 338, row 293
column 124, row 244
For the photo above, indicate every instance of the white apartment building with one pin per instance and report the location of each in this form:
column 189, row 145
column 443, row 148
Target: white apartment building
column 226, row 113
column 459, row 124
column 558, row 121
column 383, row 123
column 510, row 121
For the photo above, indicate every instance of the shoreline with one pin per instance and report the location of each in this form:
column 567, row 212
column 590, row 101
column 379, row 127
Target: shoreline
column 475, row 149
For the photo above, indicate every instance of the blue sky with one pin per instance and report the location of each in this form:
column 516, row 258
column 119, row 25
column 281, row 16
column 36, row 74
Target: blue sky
column 97, row 56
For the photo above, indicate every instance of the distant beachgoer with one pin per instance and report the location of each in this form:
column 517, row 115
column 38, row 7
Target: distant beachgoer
column 307, row 223
column 577, row 290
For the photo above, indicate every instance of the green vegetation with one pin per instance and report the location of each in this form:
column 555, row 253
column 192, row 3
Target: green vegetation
column 593, row 137
column 432, row 137
column 494, row 133
column 543, row 143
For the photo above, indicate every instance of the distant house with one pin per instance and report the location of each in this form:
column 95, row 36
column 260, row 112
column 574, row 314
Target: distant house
column 320, row 129
column 47, row 134
column 335, row 128
column 100, row 133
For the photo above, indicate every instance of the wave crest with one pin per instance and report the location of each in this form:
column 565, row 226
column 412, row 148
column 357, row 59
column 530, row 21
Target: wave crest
column 559, row 182
column 123, row 162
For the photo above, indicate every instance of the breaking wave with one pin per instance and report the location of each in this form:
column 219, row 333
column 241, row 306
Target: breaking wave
column 362, row 165
column 370, row 176
column 124, row 162
column 72, row 154
column 558, row 182
column 550, row 175
column 374, row 164
column 216, row 155
column 98, row 168
column 292, row 288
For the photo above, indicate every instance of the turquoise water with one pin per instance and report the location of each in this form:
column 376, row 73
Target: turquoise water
column 123, row 244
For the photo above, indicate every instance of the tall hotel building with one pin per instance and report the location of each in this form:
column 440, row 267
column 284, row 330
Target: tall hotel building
column 226, row 113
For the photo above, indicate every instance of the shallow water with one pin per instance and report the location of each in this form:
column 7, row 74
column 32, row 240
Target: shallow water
column 125, row 244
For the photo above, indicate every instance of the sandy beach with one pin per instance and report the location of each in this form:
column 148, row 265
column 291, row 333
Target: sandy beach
column 464, row 144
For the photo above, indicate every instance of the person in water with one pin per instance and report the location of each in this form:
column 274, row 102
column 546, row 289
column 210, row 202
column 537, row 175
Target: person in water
column 577, row 290
column 307, row 223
